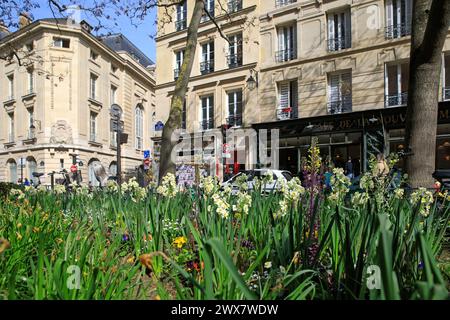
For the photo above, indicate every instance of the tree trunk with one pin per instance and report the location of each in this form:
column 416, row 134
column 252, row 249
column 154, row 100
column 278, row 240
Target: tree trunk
column 167, row 165
column 430, row 23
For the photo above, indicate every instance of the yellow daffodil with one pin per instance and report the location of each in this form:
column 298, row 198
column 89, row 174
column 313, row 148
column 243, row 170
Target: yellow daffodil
column 179, row 242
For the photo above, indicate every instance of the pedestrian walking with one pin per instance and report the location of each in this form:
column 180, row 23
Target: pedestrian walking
column 382, row 166
column 349, row 168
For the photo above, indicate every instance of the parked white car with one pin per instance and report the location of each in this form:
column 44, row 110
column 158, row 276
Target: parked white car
column 277, row 175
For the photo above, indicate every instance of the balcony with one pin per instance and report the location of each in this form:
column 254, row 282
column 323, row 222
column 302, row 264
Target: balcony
column 285, row 55
column 341, row 104
column 234, row 6
column 207, row 124
column 398, row 31
column 207, row 67
column 398, row 99
column 446, row 93
column 340, row 43
column 180, row 25
column 282, row 3
column 235, row 120
column 234, row 60
column 286, row 113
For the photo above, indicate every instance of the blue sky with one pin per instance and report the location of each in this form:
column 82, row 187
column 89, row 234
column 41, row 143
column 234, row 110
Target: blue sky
column 140, row 35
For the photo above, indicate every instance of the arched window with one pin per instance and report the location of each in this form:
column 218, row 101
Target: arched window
column 113, row 169
column 31, row 167
column 91, row 175
column 139, row 118
column 12, row 170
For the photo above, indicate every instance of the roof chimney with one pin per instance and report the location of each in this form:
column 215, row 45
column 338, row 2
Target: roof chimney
column 24, row 20
column 3, row 27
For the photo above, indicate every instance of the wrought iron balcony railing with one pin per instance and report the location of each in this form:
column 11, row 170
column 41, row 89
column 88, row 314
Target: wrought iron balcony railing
column 207, row 66
column 235, row 120
column 340, row 43
column 234, row 6
column 180, row 25
column 398, row 30
column 286, row 113
column 398, row 99
column 234, row 60
column 340, row 104
column 207, row 124
column 286, row 55
column 446, row 93
column 282, row 3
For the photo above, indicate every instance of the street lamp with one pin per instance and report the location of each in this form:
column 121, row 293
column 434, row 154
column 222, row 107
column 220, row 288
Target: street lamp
column 252, row 83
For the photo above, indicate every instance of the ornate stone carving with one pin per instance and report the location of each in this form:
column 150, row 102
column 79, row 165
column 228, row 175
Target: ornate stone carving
column 61, row 133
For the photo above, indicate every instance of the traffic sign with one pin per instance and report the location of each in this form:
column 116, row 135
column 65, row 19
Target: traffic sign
column 146, row 154
column 73, row 168
column 147, row 162
column 115, row 111
column 114, row 125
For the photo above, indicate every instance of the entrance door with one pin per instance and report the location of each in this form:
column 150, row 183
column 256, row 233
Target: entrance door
column 289, row 160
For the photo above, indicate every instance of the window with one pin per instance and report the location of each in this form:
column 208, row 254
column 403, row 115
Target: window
column 340, row 93
column 207, row 62
column 183, row 116
column 209, row 6
column 207, row 113
column 282, row 3
column 93, row 87
column 234, row 118
column 235, row 50
column 396, row 84
column 61, row 43
column 181, row 21
column 31, row 168
column 339, row 30
column 179, row 57
column 30, row 123
column 11, row 87
column 287, row 100
column 93, row 55
column 11, row 133
column 287, row 43
column 30, row 77
column 139, row 118
column 234, row 5
column 446, row 77
column 398, row 18
column 113, row 68
column 93, row 127
column 113, row 94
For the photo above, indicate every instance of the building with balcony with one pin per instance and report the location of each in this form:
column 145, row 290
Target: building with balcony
column 336, row 70
column 56, row 99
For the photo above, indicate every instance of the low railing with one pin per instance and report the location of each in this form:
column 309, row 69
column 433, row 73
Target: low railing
column 207, row 66
column 341, row 104
column 399, row 99
column 207, row 124
column 398, row 30
column 285, row 55
column 340, row 43
column 235, row 120
column 286, row 113
column 234, row 60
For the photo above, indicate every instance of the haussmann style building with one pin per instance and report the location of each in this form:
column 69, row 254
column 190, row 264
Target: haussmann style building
column 56, row 100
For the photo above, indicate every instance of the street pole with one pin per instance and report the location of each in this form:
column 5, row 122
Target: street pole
column 21, row 170
column 119, row 164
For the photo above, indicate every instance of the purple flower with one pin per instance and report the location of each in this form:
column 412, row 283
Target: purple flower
column 421, row 265
column 125, row 237
column 247, row 244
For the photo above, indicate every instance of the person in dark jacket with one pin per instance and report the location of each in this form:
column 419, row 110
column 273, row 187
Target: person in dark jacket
column 349, row 168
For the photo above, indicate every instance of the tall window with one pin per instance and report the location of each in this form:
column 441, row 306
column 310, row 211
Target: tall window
column 30, row 122
column 32, row 167
column 287, row 43
column 287, row 100
column 93, row 126
column 339, row 30
column 235, row 50
column 234, row 5
column 139, row 118
column 340, row 93
column 93, row 86
column 11, row 133
column 179, row 58
column 113, row 94
column 207, row 113
column 181, row 21
column 396, row 84
column 398, row 18
column 234, row 108
column 30, row 77
column 446, row 77
column 10, row 87
column 12, row 168
column 207, row 62
column 209, row 6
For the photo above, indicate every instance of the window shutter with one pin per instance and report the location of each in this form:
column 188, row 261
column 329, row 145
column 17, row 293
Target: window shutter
column 239, row 102
column 348, row 29
column 408, row 15
column 284, row 95
column 294, row 98
column 389, row 13
column 330, row 26
column 204, row 109
column 334, row 87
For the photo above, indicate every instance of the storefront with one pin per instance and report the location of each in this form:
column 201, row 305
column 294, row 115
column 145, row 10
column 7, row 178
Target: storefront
column 353, row 136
